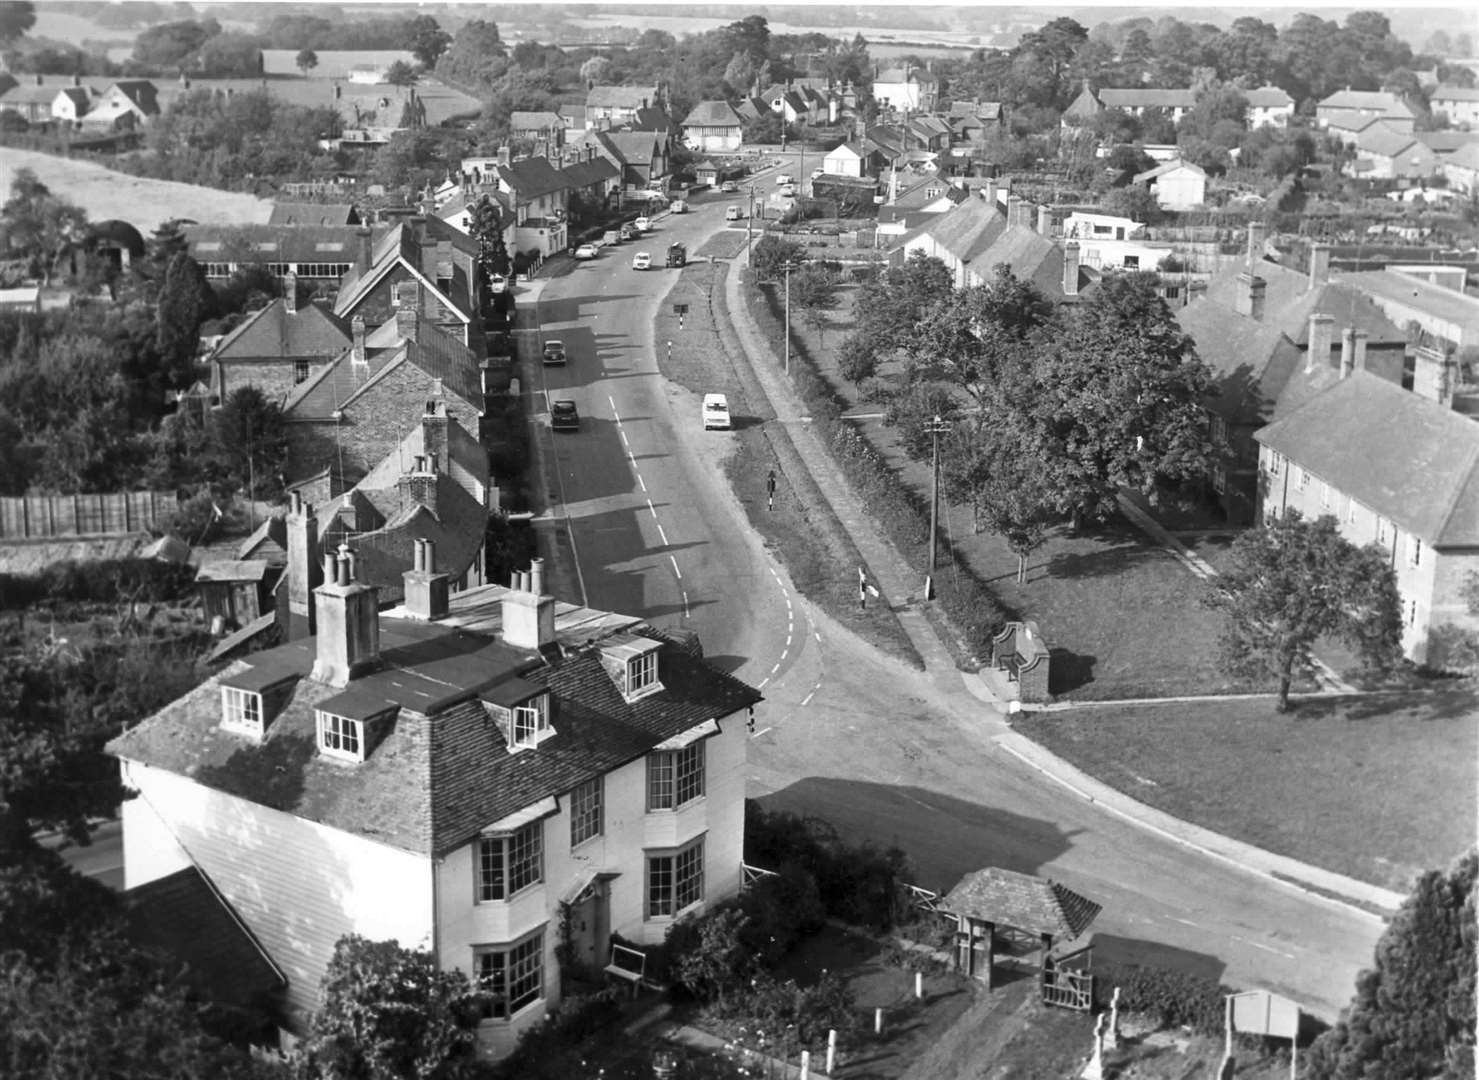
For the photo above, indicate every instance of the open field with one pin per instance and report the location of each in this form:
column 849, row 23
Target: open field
column 144, row 204
column 1378, row 788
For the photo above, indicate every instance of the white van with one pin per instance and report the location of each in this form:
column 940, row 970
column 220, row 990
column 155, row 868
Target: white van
column 734, row 213
column 716, row 412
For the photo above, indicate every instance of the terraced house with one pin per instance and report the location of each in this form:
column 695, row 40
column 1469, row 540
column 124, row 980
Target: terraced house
column 502, row 779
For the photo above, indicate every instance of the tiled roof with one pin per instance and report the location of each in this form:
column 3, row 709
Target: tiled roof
column 582, row 174
column 533, row 177
column 142, row 93
column 442, row 771
column 80, row 96
column 1147, row 98
column 573, row 115
column 296, row 213
column 272, row 243
column 1409, row 459
column 1446, row 142
column 407, row 243
column 1167, row 167
column 649, row 118
column 1267, row 97
column 1023, row 902
column 1389, row 103
column 519, row 120
column 752, row 108
column 1454, row 93
column 712, row 114
column 633, row 147
column 1447, row 304
column 620, row 97
column 980, row 238
column 181, row 916
column 1465, row 157
column 273, row 333
column 1381, row 140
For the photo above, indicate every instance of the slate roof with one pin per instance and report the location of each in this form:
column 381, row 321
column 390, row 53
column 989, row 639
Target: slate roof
column 183, row 917
column 520, row 120
column 712, row 114
column 272, row 243
column 979, row 237
column 1444, row 303
column 1454, row 93
column 1446, row 142
column 407, row 242
column 274, row 334
column 1465, row 157
column 297, row 213
column 752, row 108
column 1169, row 166
column 532, row 177
column 269, row 541
column 633, row 147
column 583, row 174
column 573, row 115
column 620, row 97
column 80, row 96
column 434, row 351
column 1374, row 441
column 1147, row 98
column 142, row 93
column 1267, row 97
column 1389, row 103
column 1023, row 902
column 442, row 771
column 1381, row 140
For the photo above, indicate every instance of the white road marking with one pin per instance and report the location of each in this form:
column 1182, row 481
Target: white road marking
column 788, row 639
column 762, row 731
column 818, row 636
column 640, row 481
column 775, row 668
column 807, row 699
column 784, row 654
column 916, row 802
column 652, row 508
column 623, row 433
column 685, row 603
column 761, row 684
column 664, row 536
column 676, row 572
column 614, row 413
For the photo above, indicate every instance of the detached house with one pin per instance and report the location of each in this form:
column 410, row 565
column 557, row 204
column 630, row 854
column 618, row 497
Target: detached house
column 975, row 121
column 423, row 251
column 503, row 779
column 1268, row 106
column 1385, row 153
column 278, row 347
column 539, row 193
column 1177, row 184
column 712, row 127
column 1459, row 103
column 914, row 89
column 1396, row 468
column 611, row 106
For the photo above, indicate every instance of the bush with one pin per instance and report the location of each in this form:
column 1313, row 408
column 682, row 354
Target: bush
column 101, row 580
column 1175, row 998
column 576, row 1019
column 198, row 520
column 779, row 911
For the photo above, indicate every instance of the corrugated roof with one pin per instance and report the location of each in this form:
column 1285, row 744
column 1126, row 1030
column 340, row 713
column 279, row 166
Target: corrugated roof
column 1407, row 458
column 442, row 771
column 1021, row 901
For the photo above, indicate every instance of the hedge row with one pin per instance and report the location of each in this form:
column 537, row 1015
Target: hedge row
column 975, row 612
column 1175, row 998
column 102, row 580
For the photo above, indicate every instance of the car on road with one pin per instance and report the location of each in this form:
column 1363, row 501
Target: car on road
column 729, row 187
column 716, row 412
column 643, row 224
column 818, row 172
column 630, row 231
column 554, row 351
column 783, row 179
column 642, row 261
column 587, row 251
column 678, row 206
column 564, row 416
column 733, row 213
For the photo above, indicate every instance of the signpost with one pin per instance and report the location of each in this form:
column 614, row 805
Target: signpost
column 1259, row 1012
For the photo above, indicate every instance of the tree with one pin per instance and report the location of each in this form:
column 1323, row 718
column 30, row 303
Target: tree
column 401, row 73
column 1050, row 51
column 1008, row 490
column 390, row 1013
column 184, row 303
column 1113, row 399
column 1135, row 201
column 717, row 960
column 890, row 306
column 814, row 291
column 857, row 360
column 16, row 17
column 171, row 45
column 426, row 40
column 1294, row 581
column 251, row 441
column 38, row 226
column 772, row 256
column 1412, row 1017
column 306, row 60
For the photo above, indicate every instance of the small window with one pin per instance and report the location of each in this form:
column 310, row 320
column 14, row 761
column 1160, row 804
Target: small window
column 1414, row 551
column 510, row 862
column 1301, row 477
column 586, row 812
column 1412, row 613
column 511, row 977
column 241, row 710
column 1383, row 532
column 529, row 722
column 1275, row 463
column 341, row 737
column 1132, row 262
column 675, row 880
column 675, row 777
column 300, row 371
column 642, row 673
column 1324, row 494
column 1219, row 479
column 1350, row 510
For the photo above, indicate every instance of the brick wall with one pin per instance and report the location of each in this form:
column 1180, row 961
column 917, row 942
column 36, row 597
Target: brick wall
column 274, row 378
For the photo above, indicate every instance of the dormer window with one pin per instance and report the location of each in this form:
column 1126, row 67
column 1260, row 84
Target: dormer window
column 241, row 710
column 530, row 721
column 251, row 697
column 642, row 673
column 521, row 710
column 631, row 661
column 341, row 737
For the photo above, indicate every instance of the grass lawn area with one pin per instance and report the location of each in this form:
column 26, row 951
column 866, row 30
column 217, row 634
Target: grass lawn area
column 1379, row 788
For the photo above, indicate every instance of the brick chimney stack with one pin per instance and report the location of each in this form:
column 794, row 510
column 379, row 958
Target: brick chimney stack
column 1249, row 297
column 1257, row 241
column 1433, row 373
column 1321, row 341
column 420, row 484
column 303, row 568
column 1319, row 265
column 357, row 350
column 528, row 614
column 347, row 642
column 364, row 249
column 1044, row 221
column 1347, row 351
column 426, row 590
column 290, row 292
column 1360, row 355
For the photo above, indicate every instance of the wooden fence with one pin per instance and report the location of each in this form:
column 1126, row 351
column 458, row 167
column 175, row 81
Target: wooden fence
column 33, row 517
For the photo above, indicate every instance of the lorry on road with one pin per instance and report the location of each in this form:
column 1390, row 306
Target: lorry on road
column 677, row 255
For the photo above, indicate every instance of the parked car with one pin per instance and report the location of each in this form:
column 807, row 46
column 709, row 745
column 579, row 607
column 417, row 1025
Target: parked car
column 818, row 172
column 729, row 187
column 677, row 255
column 643, row 224
column 716, row 412
column 783, row 179
column 734, row 213
column 587, row 251
column 679, row 206
column 642, row 261
column 564, row 416
column 611, row 238
column 554, row 351
column 630, row 231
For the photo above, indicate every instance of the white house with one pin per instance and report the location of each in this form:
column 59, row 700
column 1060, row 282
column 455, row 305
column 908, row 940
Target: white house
column 914, row 89
column 499, row 778
column 1462, row 168
column 1459, row 103
column 1178, row 185
column 847, row 159
column 1135, row 101
column 712, row 127
column 1082, row 225
column 1268, row 106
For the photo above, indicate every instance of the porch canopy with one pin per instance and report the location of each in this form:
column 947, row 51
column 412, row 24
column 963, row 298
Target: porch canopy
column 1033, row 905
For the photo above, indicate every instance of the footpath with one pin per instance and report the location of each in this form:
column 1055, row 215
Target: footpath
column 902, row 587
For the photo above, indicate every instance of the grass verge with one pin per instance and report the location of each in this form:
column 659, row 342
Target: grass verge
column 1378, row 788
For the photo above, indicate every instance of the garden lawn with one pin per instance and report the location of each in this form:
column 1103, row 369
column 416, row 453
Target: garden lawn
column 1379, row 788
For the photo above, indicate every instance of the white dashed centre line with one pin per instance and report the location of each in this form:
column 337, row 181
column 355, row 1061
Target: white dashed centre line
column 652, row 508
column 662, row 534
column 673, row 559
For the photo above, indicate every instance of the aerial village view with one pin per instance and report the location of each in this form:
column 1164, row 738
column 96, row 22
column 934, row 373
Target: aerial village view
column 699, row 542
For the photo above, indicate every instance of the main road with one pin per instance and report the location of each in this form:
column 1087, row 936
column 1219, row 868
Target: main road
column 640, row 520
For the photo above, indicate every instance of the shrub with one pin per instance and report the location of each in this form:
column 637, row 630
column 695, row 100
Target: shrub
column 1175, row 998
column 708, row 956
column 100, row 580
column 576, row 1020
column 779, row 910
column 198, row 520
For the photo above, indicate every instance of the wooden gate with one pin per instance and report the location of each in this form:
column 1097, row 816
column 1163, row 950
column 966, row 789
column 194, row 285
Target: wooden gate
column 1068, row 989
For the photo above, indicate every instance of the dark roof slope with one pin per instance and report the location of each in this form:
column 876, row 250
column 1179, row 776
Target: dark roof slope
column 1409, row 459
column 1023, row 902
column 274, row 333
column 532, row 177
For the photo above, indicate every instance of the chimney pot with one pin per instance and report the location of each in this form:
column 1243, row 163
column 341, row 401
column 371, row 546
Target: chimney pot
column 1044, row 220
column 357, row 329
column 331, row 567
column 1360, row 350
column 1321, row 339
column 1249, row 298
column 1347, row 351
column 429, row 556
column 536, row 568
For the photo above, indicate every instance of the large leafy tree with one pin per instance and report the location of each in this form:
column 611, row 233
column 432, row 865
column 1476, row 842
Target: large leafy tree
column 251, row 441
column 814, row 291
column 1050, row 51
column 36, row 225
column 1412, row 1017
column 772, row 256
column 169, row 45
column 16, row 17
column 390, row 1013
column 1114, row 399
column 426, row 40
column 185, row 301
column 891, row 306
column 1294, row 581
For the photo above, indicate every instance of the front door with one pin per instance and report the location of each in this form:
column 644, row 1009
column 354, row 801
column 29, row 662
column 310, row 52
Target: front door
column 590, row 927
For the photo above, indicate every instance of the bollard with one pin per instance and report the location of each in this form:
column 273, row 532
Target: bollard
column 878, row 1021
column 805, row 1064
column 919, row 985
column 831, row 1050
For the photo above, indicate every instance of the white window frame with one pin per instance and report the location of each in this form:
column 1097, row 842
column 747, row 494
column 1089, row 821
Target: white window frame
column 528, row 722
column 340, row 736
column 505, row 864
column 1383, row 532
column 642, row 673
column 1301, row 477
column 587, row 811
column 1414, row 550
column 512, row 975
column 676, row 778
column 674, row 881
column 1412, row 612
column 1275, row 463
column 1350, row 510
column 1325, row 493
column 241, row 710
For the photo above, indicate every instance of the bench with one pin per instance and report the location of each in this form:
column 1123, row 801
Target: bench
column 628, row 965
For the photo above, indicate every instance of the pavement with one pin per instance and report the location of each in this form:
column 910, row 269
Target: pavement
column 903, row 587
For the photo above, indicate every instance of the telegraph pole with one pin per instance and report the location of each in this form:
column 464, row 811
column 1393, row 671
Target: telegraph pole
column 936, row 428
column 788, row 322
column 749, row 225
